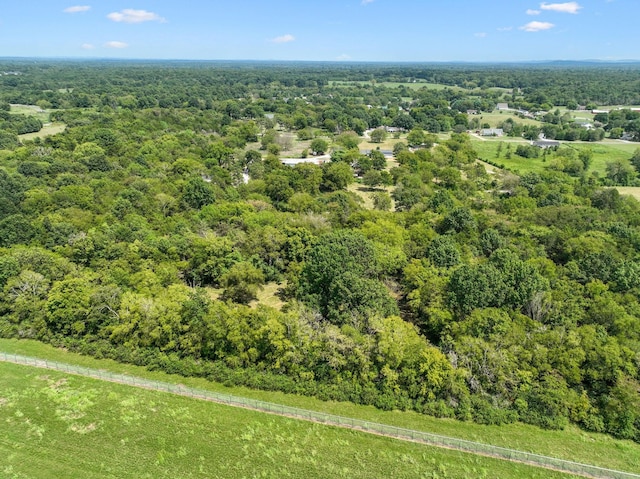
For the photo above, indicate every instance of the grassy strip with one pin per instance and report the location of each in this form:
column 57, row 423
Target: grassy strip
column 571, row 444
column 67, row 426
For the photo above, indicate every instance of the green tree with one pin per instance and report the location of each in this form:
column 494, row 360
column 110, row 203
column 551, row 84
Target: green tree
column 378, row 160
column 350, row 140
column 443, row 252
column 372, row 178
column 381, row 201
column 378, row 135
column 198, row 193
column 319, row 146
column 620, row 173
column 242, row 282
column 336, row 176
column 93, row 156
column 416, row 137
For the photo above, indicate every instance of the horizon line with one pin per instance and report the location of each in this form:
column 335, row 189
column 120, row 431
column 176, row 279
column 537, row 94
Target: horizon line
column 345, row 61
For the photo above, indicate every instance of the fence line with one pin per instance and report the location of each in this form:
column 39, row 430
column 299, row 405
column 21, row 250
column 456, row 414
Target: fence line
column 331, row 419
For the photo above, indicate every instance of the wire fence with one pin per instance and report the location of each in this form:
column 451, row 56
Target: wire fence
column 330, row 419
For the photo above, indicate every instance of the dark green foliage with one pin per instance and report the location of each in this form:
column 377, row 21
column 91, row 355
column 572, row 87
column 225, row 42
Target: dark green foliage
column 241, row 282
column 443, row 252
column 459, row 220
column 198, row 193
column 529, row 151
column 15, row 229
column 339, row 278
column 474, row 287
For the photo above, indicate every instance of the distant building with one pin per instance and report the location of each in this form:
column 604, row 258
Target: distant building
column 546, row 143
column 492, row 132
column 386, row 153
column 502, row 106
column 584, row 124
column 472, row 112
column 316, row 160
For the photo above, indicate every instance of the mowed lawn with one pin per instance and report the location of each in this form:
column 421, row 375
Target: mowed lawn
column 55, row 425
column 571, row 444
column 603, row 153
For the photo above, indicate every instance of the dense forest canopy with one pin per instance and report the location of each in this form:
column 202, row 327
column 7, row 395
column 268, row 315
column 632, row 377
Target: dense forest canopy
column 162, row 228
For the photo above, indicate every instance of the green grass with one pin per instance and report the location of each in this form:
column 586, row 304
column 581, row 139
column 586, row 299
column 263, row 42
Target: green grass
column 629, row 190
column 603, row 152
column 47, row 130
column 57, row 425
column 496, row 117
column 571, row 444
column 31, row 110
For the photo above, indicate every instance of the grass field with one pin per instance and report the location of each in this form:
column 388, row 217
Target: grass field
column 58, row 425
column 47, row 130
column 496, row 117
column 31, row 110
column 603, row 152
column 571, row 444
column 366, row 194
column 629, row 190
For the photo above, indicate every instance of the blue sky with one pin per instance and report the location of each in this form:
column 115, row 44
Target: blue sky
column 327, row 30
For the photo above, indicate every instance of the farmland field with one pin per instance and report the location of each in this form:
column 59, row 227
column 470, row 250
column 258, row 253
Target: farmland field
column 572, row 444
column 58, row 425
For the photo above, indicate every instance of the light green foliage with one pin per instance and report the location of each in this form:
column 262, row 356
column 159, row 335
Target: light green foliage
column 241, row 282
column 319, row 146
column 105, row 427
column 378, row 135
column 336, row 176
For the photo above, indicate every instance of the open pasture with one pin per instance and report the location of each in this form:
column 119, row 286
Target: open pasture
column 58, row 425
column 603, row 153
column 47, row 130
column 31, row 110
column 572, row 443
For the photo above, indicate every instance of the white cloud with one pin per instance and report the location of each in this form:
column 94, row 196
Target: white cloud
column 284, row 38
column 480, row 34
column 88, row 46
column 537, row 26
column 366, row 2
column 569, row 7
column 343, row 57
column 77, row 9
column 505, row 29
column 533, row 12
column 115, row 44
column 129, row 15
